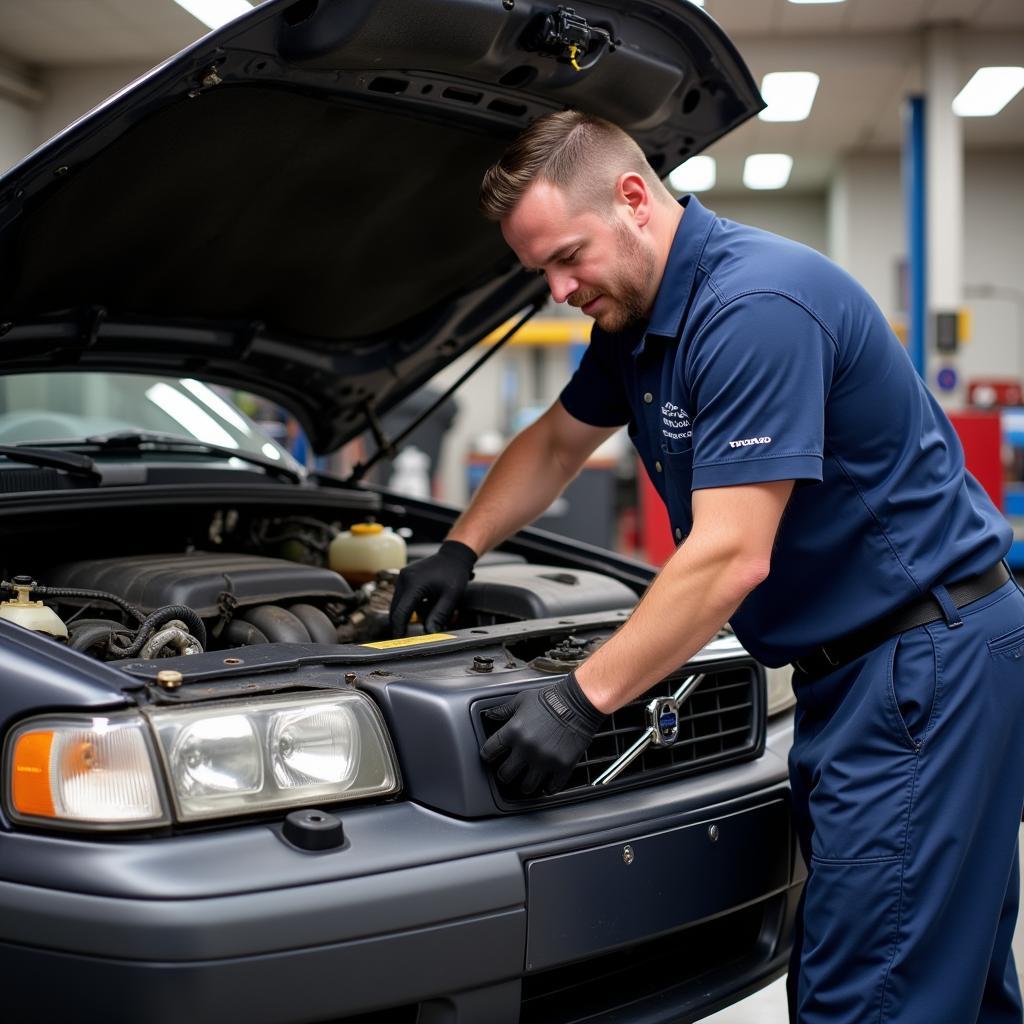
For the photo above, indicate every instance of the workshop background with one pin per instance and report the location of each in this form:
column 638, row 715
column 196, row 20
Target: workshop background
column 837, row 162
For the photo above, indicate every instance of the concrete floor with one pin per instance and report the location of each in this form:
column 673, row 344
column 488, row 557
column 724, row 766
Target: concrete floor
column 769, row 1005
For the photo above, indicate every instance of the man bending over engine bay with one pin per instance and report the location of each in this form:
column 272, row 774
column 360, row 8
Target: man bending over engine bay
column 819, row 499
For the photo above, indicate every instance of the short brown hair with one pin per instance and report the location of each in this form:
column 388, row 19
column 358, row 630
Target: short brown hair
column 575, row 151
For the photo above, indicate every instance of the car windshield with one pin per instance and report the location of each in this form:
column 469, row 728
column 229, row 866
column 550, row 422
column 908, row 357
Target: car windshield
column 36, row 408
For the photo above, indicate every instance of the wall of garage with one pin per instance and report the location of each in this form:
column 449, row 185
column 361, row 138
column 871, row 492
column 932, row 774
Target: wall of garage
column 866, row 226
column 35, row 105
column 16, row 132
column 994, row 258
column 19, row 97
column 867, row 237
column 71, row 92
column 804, row 218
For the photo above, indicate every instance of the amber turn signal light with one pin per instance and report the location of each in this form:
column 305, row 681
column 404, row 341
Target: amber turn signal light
column 83, row 771
column 31, row 791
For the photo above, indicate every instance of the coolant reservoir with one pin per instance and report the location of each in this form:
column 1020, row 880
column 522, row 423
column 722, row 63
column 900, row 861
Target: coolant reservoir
column 32, row 614
column 362, row 552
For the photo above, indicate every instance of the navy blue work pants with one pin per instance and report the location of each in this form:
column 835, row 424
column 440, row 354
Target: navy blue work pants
column 908, row 783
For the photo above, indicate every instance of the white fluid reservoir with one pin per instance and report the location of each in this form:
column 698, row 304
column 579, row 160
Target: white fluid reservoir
column 32, row 614
column 362, row 552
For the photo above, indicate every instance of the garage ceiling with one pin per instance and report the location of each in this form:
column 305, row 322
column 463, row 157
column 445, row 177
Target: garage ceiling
column 869, row 54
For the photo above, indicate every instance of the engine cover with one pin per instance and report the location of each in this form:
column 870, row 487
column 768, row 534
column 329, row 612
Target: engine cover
column 543, row 591
column 198, row 579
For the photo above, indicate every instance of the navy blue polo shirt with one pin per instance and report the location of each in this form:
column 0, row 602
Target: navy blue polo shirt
column 763, row 360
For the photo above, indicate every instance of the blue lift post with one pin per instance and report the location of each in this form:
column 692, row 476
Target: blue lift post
column 914, row 203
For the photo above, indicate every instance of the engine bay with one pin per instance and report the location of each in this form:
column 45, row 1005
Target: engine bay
column 256, row 579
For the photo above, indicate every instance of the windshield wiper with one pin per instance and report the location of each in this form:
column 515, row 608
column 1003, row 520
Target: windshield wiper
column 136, row 441
column 70, row 462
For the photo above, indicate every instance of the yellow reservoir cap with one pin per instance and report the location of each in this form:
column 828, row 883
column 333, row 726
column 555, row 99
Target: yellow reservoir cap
column 31, row 792
column 362, row 529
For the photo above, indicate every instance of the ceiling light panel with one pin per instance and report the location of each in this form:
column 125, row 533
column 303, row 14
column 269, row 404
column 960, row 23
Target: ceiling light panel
column 988, row 91
column 767, row 170
column 816, row 1
column 695, row 175
column 789, row 95
column 214, row 13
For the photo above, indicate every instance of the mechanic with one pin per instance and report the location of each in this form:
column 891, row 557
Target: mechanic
column 821, row 505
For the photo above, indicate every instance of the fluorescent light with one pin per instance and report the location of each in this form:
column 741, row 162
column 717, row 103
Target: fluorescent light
column 815, row 1
column 217, row 404
column 199, row 423
column 988, row 91
column 789, row 95
column 767, row 170
column 695, row 175
column 214, row 13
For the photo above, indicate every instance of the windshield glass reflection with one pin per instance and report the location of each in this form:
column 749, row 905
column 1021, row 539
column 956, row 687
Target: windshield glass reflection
column 45, row 407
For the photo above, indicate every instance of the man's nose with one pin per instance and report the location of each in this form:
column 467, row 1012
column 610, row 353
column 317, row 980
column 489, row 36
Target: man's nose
column 561, row 285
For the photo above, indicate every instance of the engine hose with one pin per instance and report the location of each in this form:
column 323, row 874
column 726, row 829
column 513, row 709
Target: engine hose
column 77, row 624
column 92, row 595
column 279, row 625
column 173, row 636
column 239, row 633
column 320, row 628
column 85, row 637
column 159, row 618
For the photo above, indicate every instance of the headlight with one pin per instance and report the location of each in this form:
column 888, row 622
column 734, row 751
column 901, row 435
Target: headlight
column 214, row 757
column 221, row 759
column 88, row 771
column 780, row 689
column 242, row 757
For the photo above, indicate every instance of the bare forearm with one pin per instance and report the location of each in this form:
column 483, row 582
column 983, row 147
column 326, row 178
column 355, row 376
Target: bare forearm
column 690, row 600
column 526, row 478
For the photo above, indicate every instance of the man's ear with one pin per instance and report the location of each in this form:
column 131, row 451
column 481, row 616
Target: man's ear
column 631, row 190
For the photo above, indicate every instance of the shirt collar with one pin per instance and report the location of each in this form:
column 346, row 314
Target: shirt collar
column 680, row 269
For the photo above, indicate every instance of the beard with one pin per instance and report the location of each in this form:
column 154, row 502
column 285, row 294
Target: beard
column 626, row 295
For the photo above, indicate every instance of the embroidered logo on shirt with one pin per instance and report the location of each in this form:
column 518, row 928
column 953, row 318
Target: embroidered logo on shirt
column 675, row 422
column 749, row 441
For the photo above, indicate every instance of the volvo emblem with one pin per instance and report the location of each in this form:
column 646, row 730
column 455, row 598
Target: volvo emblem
column 663, row 719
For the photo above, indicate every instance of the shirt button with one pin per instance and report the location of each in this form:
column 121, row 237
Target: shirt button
column 648, row 397
column 679, row 534
column 657, row 466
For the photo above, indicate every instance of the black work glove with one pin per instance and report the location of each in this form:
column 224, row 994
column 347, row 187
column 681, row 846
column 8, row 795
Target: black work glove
column 545, row 734
column 432, row 586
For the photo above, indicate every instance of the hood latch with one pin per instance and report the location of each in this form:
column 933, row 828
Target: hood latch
column 567, row 36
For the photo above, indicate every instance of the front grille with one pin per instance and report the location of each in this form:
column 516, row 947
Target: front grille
column 720, row 721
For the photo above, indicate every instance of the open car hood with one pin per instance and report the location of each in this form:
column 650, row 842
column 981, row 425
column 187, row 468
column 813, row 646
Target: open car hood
column 289, row 205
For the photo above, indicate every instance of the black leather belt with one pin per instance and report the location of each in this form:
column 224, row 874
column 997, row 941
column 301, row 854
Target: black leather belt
column 924, row 610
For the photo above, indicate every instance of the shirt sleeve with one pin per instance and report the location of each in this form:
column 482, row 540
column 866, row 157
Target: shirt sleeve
column 596, row 392
column 759, row 372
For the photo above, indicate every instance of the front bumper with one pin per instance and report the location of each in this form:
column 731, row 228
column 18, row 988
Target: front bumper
column 479, row 921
